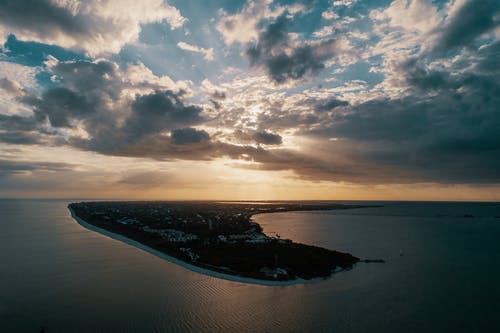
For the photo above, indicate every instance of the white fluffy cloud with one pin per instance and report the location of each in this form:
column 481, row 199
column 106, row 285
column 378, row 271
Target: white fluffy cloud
column 208, row 54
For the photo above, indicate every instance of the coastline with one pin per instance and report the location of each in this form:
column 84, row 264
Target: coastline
column 193, row 268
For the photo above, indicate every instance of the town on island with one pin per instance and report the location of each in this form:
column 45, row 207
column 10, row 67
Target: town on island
column 217, row 237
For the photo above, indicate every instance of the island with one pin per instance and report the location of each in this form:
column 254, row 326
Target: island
column 216, row 237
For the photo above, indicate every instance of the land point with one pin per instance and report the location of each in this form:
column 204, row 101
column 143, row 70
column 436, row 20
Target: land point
column 218, row 237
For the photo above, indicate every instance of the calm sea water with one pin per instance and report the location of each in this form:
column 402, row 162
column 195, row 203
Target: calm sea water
column 56, row 274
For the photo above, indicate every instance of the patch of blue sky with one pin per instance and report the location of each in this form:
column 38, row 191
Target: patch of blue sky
column 34, row 54
column 199, row 10
column 360, row 71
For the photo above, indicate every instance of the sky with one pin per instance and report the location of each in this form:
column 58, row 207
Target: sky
column 250, row 100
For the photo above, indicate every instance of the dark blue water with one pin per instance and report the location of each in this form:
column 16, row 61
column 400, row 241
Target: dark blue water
column 65, row 278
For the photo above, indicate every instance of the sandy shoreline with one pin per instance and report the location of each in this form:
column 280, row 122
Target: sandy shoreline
column 184, row 264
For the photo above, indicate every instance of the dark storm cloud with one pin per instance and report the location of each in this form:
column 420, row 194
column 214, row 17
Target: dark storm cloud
column 260, row 137
column 59, row 105
column 159, row 111
column 40, row 16
column 188, row 135
column 83, row 93
column 87, row 75
column 474, row 18
column 446, row 130
column 275, row 34
column 141, row 133
column 219, row 95
column 330, row 104
column 90, row 94
column 420, row 77
column 301, row 60
column 489, row 59
column 471, row 84
column 267, row 138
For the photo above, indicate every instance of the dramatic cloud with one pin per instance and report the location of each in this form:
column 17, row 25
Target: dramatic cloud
column 470, row 20
column 330, row 104
column 188, row 135
column 285, row 61
column 94, row 26
column 99, row 107
column 446, row 137
column 267, row 138
column 260, row 137
column 162, row 110
column 219, row 95
column 60, row 105
column 353, row 92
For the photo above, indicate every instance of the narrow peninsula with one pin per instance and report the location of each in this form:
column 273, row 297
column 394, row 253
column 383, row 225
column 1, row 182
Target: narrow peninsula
column 217, row 237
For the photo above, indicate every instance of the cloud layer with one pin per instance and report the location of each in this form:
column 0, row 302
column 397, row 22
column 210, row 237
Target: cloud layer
column 356, row 92
column 285, row 60
column 92, row 26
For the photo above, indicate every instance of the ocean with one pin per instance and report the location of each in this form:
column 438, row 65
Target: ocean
column 442, row 275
